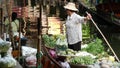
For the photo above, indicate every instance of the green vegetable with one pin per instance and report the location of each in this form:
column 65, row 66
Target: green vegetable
column 49, row 40
column 86, row 31
column 4, row 46
column 52, row 41
column 95, row 47
column 84, row 60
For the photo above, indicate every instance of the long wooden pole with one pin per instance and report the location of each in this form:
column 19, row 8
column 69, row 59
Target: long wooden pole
column 39, row 26
column 104, row 38
column 19, row 43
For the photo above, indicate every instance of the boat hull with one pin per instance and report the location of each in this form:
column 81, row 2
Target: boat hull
column 109, row 12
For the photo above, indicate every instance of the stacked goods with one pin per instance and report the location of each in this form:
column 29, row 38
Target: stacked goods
column 54, row 40
column 7, row 62
column 92, row 54
column 31, row 61
column 4, row 46
column 49, row 41
column 6, row 59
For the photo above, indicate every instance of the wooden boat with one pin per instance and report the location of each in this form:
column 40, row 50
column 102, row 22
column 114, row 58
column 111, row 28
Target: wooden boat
column 109, row 12
column 48, row 60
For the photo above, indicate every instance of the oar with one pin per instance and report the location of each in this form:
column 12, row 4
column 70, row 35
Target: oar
column 104, row 38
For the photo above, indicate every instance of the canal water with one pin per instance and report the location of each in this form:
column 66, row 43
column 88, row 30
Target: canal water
column 111, row 32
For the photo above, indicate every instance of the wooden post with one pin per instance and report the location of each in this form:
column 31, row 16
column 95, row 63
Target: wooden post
column 45, row 9
column 1, row 22
column 19, row 43
column 39, row 24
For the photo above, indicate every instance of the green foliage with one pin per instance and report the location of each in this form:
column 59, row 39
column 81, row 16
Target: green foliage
column 86, row 31
column 95, row 47
column 49, row 40
column 66, row 52
column 4, row 46
column 52, row 41
column 61, row 42
column 86, row 35
column 84, row 60
column 60, row 36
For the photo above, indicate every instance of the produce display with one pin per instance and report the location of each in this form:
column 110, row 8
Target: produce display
column 7, row 62
column 93, row 54
column 54, row 40
column 49, row 41
column 78, row 57
column 96, row 48
column 6, row 59
column 67, row 52
column 84, row 60
column 4, row 46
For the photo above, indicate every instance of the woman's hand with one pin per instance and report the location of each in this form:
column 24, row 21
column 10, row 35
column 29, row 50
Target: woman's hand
column 88, row 17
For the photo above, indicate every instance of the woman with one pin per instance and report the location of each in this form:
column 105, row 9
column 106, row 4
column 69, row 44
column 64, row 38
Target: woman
column 74, row 26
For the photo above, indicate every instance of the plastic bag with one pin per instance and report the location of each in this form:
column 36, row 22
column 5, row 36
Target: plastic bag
column 31, row 60
column 28, row 51
column 53, row 53
column 7, row 62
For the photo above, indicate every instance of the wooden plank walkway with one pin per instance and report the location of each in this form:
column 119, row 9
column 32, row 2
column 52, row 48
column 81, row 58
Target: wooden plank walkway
column 55, row 27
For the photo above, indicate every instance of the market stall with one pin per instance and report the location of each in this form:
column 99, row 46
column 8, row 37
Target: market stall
column 52, row 50
column 92, row 54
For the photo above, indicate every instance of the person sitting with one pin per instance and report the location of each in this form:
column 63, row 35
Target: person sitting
column 14, row 28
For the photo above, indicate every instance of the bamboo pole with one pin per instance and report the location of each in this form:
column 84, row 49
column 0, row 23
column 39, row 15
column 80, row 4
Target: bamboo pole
column 19, row 43
column 104, row 38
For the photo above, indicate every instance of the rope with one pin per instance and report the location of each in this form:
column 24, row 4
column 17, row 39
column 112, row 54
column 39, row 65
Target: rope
column 104, row 38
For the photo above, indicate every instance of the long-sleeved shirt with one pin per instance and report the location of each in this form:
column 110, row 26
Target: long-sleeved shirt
column 74, row 28
column 14, row 25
